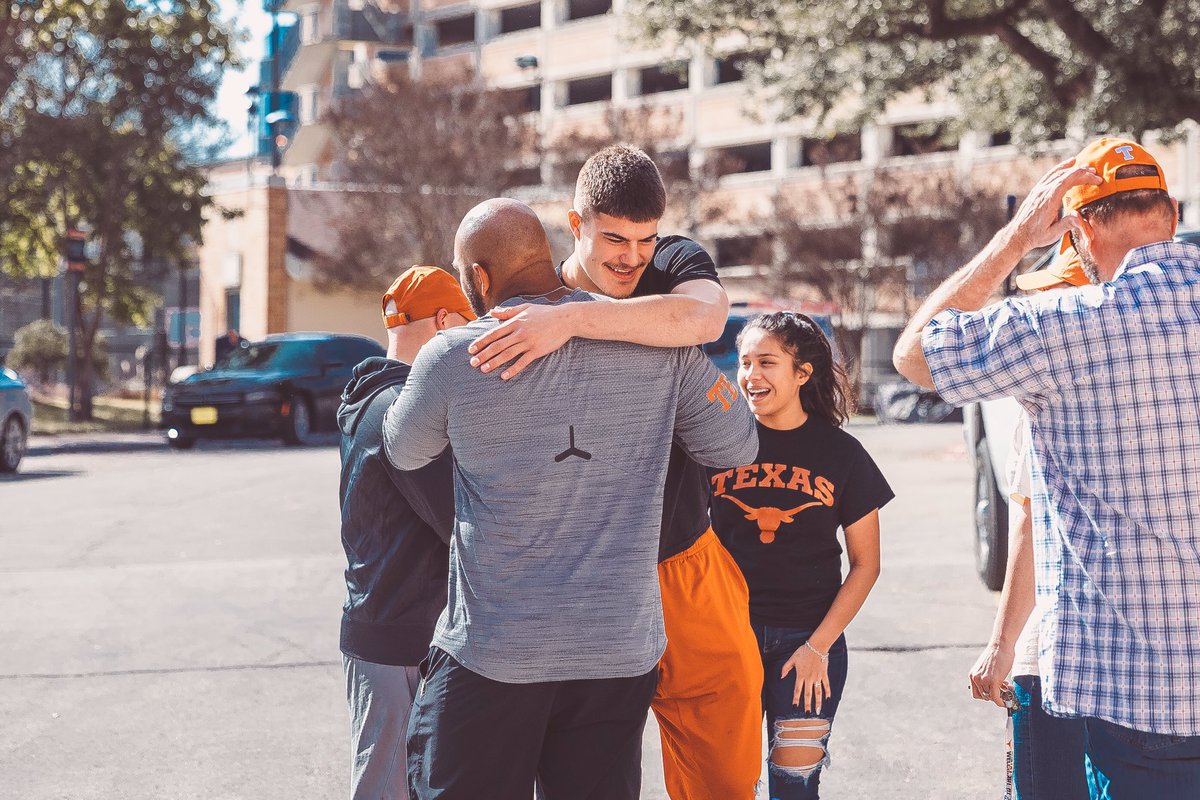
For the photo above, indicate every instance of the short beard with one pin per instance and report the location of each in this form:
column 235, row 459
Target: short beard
column 1090, row 267
column 474, row 297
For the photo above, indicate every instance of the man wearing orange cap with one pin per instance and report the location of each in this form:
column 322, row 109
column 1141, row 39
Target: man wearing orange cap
column 395, row 530
column 1110, row 377
column 1048, row 752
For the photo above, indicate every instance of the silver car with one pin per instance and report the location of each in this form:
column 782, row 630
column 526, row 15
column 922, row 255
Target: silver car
column 15, row 414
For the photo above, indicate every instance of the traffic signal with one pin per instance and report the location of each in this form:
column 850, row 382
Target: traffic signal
column 76, row 246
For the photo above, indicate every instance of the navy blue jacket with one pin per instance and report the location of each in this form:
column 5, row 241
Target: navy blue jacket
column 396, row 528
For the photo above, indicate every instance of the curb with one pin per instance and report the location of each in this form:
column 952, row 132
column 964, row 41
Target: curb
column 48, row 445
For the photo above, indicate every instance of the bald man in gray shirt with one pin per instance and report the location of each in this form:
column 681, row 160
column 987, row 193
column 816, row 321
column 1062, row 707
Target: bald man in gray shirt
column 544, row 662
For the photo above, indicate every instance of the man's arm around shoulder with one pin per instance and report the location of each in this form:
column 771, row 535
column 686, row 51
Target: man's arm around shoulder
column 415, row 426
column 692, row 313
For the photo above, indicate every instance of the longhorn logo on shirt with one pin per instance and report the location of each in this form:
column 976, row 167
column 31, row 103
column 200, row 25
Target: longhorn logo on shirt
column 770, row 518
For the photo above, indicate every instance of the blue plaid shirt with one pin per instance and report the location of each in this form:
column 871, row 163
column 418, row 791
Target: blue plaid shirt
column 1110, row 376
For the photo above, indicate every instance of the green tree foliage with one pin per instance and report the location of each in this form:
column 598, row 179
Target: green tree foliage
column 98, row 100
column 41, row 348
column 1029, row 66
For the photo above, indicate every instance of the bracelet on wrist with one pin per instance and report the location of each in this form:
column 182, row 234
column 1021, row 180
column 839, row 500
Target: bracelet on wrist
column 823, row 656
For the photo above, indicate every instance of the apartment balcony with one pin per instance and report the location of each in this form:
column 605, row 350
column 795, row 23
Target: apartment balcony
column 586, row 45
column 499, row 57
column 727, row 113
column 450, row 68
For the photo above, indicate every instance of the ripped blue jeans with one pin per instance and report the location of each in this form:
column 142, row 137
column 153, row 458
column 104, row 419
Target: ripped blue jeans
column 789, row 725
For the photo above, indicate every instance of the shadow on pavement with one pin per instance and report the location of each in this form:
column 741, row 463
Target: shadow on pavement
column 33, row 475
column 158, row 443
column 241, row 445
column 97, row 446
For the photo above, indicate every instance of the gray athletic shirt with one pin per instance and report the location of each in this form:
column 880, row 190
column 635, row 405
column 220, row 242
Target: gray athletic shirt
column 558, row 487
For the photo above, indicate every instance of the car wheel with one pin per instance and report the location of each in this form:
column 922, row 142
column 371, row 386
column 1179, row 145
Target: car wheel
column 181, row 443
column 297, row 425
column 12, row 444
column 991, row 521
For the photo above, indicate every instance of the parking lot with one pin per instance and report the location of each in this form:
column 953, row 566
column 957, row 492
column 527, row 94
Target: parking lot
column 170, row 622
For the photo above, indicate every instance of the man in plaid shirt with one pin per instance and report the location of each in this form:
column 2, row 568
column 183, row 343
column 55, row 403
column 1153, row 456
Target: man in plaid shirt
column 1110, row 376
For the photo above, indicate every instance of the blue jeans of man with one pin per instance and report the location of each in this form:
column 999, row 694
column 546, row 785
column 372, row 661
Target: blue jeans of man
column 1131, row 765
column 777, row 645
column 1048, row 752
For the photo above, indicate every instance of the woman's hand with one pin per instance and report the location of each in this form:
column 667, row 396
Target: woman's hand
column 990, row 673
column 812, row 678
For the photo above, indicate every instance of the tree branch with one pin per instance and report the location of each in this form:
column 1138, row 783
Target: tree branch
column 942, row 27
column 1047, row 65
column 1077, row 28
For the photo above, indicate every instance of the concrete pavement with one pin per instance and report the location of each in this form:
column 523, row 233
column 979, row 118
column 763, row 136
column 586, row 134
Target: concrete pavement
column 171, row 629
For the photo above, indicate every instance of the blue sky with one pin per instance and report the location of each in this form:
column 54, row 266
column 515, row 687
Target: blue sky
column 231, row 100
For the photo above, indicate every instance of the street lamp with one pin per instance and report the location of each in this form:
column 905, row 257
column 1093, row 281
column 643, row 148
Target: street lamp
column 252, row 95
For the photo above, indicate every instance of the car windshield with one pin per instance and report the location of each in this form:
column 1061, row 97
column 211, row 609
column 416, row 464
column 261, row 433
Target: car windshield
column 267, row 355
column 728, row 342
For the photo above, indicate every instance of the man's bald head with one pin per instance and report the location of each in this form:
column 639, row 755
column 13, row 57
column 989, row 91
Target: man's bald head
column 501, row 251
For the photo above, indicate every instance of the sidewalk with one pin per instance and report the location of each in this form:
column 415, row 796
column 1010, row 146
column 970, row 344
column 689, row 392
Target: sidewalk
column 41, row 444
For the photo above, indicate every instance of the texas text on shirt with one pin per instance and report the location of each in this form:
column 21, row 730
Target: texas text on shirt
column 1110, row 377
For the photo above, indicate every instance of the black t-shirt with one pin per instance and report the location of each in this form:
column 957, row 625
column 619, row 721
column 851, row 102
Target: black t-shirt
column 676, row 261
column 779, row 518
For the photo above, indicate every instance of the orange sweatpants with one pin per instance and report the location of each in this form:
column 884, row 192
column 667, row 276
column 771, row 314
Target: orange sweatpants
column 709, row 697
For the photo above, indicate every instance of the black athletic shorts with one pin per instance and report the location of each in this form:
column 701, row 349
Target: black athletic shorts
column 470, row 737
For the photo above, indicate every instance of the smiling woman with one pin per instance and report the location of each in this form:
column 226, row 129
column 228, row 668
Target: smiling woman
column 780, row 523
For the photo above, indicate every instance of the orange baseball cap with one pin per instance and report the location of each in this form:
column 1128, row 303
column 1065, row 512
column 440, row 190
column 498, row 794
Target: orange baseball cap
column 419, row 292
column 1107, row 156
column 1066, row 268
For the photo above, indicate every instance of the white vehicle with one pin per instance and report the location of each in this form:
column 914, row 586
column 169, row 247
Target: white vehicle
column 988, row 428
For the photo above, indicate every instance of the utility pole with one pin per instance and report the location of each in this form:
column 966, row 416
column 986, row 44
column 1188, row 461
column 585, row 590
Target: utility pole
column 183, row 304
column 75, row 246
column 276, row 154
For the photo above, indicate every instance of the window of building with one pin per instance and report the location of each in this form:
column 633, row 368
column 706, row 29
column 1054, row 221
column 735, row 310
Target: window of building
column 732, row 68
column 389, row 56
column 522, row 100
column 835, row 150
column 999, row 138
column 233, row 309
column 524, row 176
column 664, row 77
column 455, row 30
column 589, row 90
column 922, row 138
column 740, row 251
column 673, row 165
column 743, row 158
column 581, row 9
column 520, row 18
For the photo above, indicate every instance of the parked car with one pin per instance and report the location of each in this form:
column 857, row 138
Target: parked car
column 16, row 413
column 287, row 385
column 723, row 351
column 903, row 402
column 988, row 428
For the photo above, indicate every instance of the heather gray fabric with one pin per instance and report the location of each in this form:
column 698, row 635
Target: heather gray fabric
column 553, row 559
column 380, row 697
